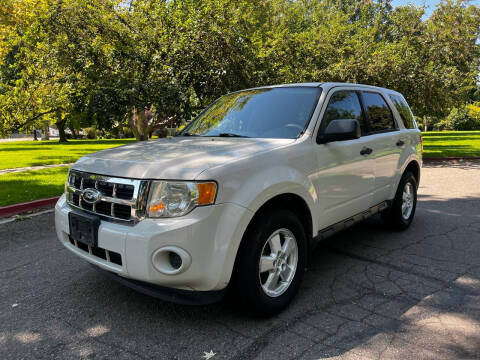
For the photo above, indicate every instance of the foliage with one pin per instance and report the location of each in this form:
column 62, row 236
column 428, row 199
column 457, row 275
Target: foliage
column 461, row 119
column 91, row 133
column 474, row 111
column 80, row 63
column 451, row 144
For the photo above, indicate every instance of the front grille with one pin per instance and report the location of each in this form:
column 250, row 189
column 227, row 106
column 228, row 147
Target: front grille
column 114, row 198
column 105, row 187
column 124, row 191
column 106, row 255
column 121, row 211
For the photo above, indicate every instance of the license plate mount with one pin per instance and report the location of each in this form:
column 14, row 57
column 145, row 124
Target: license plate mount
column 84, row 228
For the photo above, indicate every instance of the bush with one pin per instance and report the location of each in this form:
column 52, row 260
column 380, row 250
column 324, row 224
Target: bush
column 459, row 119
column 112, row 133
column 474, row 111
column 91, row 133
column 161, row 133
column 127, row 132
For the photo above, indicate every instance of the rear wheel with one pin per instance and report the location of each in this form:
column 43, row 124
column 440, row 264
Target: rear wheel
column 271, row 263
column 402, row 211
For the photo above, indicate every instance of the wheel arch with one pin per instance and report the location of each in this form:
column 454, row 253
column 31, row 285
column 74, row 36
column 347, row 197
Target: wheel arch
column 290, row 201
column 414, row 167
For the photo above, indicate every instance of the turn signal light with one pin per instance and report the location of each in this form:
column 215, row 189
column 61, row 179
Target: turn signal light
column 206, row 193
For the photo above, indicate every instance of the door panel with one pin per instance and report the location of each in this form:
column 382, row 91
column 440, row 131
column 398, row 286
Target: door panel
column 344, row 178
column 384, row 135
column 386, row 155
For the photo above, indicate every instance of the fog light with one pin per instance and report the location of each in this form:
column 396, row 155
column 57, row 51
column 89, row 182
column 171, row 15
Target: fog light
column 171, row 260
column 175, row 260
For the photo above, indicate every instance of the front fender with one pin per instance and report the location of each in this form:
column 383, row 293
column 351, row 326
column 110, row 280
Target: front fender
column 252, row 188
column 251, row 184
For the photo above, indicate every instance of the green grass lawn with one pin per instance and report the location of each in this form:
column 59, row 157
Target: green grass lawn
column 440, row 144
column 31, row 185
column 14, row 154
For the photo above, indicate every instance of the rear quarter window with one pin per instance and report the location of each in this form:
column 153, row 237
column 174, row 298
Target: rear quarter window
column 404, row 111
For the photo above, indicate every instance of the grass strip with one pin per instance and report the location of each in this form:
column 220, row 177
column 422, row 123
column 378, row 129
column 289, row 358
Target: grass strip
column 443, row 144
column 31, row 185
column 15, row 154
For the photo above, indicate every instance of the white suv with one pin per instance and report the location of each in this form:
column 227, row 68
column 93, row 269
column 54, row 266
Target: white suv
column 239, row 197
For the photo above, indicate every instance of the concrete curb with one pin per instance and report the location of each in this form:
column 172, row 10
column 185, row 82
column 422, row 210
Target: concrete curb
column 27, row 206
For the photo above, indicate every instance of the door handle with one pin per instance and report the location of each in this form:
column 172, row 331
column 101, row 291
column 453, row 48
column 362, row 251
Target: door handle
column 400, row 143
column 366, row 151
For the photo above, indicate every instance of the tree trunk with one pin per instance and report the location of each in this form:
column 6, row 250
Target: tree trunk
column 139, row 123
column 45, row 135
column 74, row 134
column 61, row 131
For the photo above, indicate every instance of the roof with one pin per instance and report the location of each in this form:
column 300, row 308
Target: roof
column 326, row 86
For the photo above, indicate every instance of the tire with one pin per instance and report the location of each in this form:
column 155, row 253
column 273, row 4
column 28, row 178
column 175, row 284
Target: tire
column 260, row 241
column 400, row 215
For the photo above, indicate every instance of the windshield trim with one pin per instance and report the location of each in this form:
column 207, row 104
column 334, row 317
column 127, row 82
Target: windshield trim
column 307, row 123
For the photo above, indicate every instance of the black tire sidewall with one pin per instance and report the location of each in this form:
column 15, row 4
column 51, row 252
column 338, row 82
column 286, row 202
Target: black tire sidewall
column 396, row 211
column 247, row 280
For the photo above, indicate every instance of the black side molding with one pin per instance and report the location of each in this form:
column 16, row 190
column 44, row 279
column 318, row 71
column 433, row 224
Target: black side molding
column 185, row 297
column 344, row 224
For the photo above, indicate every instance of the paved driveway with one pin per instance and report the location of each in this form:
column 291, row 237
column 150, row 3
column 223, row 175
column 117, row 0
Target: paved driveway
column 369, row 293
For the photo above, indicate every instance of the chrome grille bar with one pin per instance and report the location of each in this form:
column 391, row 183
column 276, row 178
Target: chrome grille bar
column 121, row 209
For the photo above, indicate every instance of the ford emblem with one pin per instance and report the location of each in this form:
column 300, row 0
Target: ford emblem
column 91, row 196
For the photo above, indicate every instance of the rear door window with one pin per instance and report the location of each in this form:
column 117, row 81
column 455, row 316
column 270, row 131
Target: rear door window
column 379, row 115
column 344, row 104
column 404, row 111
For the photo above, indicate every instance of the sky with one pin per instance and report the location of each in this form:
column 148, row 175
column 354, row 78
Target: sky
column 429, row 3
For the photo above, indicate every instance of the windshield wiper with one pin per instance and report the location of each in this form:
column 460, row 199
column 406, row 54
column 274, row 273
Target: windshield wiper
column 186, row 134
column 231, row 135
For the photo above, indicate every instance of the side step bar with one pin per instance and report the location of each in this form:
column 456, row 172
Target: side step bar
column 335, row 228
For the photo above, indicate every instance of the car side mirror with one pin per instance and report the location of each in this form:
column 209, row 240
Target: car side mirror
column 338, row 130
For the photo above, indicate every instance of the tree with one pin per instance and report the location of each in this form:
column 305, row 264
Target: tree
column 150, row 63
column 35, row 86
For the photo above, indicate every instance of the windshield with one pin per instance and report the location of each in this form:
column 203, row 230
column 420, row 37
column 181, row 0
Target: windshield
column 259, row 113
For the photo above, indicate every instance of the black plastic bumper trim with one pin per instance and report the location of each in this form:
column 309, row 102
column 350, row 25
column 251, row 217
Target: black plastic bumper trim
column 178, row 296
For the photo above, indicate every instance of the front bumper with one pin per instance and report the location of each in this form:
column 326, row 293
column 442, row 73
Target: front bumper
column 178, row 296
column 209, row 235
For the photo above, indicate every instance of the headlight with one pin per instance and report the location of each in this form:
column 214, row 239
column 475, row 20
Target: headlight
column 172, row 198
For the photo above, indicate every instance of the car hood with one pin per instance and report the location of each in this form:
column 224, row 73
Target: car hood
column 177, row 158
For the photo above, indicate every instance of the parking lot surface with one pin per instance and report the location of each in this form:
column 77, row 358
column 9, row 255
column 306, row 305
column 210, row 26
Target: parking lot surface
column 368, row 294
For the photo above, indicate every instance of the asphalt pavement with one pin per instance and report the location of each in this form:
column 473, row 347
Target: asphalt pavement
column 368, row 293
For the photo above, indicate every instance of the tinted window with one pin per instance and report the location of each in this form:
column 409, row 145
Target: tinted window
column 344, row 105
column 404, row 111
column 379, row 114
column 259, row 113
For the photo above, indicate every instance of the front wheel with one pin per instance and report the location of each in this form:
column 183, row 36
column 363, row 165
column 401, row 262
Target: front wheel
column 400, row 214
column 271, row 263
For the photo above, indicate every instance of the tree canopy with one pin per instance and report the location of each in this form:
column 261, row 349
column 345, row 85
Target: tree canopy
column 147, row 63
